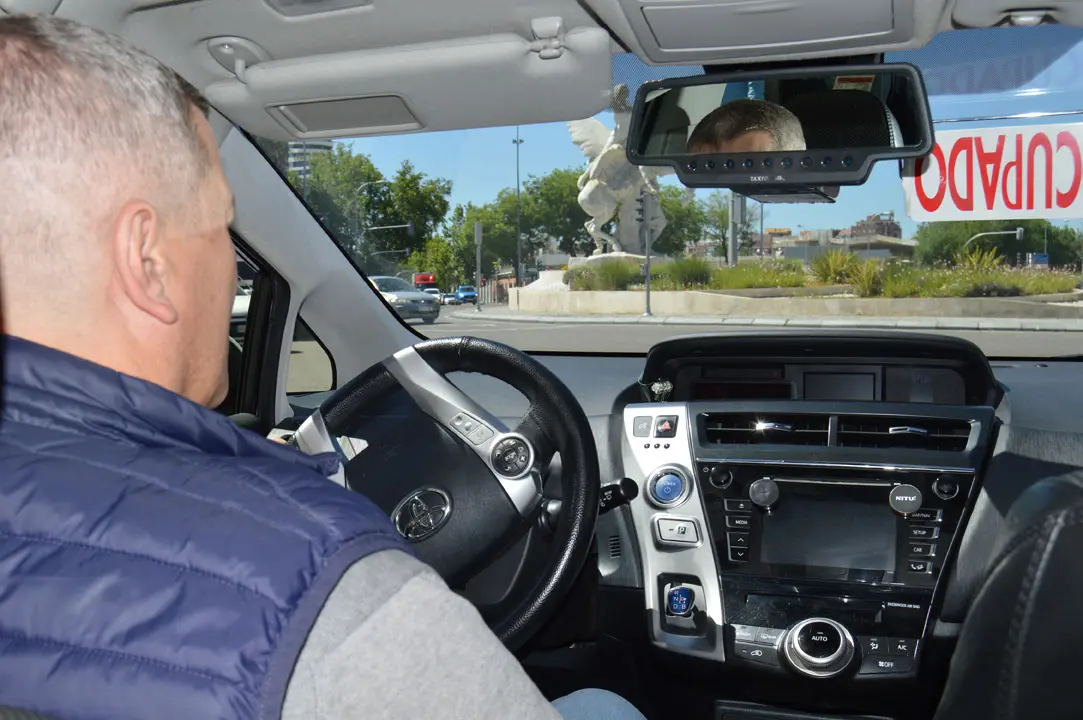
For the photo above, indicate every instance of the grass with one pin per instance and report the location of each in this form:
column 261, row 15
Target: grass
column 979, row 273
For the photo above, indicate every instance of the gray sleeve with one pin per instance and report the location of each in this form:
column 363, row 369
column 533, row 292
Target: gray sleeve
column 392, row 641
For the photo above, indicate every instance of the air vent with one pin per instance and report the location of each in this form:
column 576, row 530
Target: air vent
column 765, row 429
column 879, row 431
column 614, row 546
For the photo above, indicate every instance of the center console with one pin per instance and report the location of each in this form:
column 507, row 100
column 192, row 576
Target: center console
column 795, row 552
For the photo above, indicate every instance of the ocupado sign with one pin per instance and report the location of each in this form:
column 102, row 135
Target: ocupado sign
column 1031, row 171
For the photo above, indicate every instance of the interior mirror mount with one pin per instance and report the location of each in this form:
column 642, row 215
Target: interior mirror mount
column 791, row 134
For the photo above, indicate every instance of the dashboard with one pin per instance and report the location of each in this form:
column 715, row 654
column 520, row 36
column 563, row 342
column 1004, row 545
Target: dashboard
column 802, row 496
column 813, row 477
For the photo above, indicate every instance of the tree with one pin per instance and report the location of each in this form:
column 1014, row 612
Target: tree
column 351, row 196
column 746, row 240
column 939, row 242
column 410, row 197
column 342, row 189
column 551, row 210
column 446, row 258
column 716, row 220
column 277, row 151
column 684, row 222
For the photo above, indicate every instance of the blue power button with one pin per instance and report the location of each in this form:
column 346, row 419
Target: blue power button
column 667, row 488
column 680, row 600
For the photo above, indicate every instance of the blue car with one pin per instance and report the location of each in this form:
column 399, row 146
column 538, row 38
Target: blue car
column 466, row 294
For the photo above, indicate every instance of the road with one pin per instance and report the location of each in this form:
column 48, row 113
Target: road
column 310, row 371
column 623, row 338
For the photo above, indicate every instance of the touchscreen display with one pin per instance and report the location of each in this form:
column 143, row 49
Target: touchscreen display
column 832, row 534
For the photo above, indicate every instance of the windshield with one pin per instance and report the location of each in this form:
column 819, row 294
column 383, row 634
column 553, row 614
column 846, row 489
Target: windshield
column 391, row 284
column 989, row 249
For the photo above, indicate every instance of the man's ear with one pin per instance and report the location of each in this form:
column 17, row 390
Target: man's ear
column 140, row 261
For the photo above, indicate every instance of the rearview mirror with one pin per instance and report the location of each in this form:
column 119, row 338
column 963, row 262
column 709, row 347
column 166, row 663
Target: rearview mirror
column 782, row 132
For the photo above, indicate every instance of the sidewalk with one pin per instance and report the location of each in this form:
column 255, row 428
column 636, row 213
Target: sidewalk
column 500, row 313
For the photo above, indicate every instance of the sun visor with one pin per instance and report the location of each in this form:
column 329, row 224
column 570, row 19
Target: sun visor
column 707, row 32
column 489, row 81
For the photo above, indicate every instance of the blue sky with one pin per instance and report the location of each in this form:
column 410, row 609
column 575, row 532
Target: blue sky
column 972, row 74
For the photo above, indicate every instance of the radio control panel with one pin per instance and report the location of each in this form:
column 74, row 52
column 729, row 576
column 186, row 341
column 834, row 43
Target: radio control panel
column 832, row 524
column 808, row 567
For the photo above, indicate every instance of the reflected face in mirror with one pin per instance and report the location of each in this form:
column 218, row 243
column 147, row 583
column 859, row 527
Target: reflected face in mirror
column 747, row 126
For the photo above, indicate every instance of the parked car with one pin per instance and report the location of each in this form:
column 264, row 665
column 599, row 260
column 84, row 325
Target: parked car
column 467, row 294
column 435, row 292
column 407, row 302
column 449, row 299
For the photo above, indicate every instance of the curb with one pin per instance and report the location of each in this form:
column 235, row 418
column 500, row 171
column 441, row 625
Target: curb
column 992, row 324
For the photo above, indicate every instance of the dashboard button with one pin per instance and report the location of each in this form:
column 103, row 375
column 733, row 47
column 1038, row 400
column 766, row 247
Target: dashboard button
column 720, row 477
column 641, row 426
column 922, row 567
column 924, row 532
column 925, row 516
column 905, row 499
column 819, row 640
column 902, row 647
column 917, row 549
column 762, row 654
column 745, row 633
column 678, row 532
column 738, row 506
column 737, row 539
column 665, row 426
column 874, row 645
column 946, row 488
column 742, row 522
column 885, row 664
column 680, row 601
column 739, row 554
column 667, row 488
column 769, row 636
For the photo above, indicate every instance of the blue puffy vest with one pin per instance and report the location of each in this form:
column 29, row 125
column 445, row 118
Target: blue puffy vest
column 156, row 561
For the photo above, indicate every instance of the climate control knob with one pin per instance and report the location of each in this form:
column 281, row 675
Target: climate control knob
column 763, row 493
column 818, row 647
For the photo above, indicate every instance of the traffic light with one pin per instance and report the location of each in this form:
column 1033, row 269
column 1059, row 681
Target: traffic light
column 1019, row 234
column 639, row 208
column 410, row 228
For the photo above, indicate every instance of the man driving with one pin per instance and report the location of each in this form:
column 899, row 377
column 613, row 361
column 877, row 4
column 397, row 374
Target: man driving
column 743, row 126
column 157, row 562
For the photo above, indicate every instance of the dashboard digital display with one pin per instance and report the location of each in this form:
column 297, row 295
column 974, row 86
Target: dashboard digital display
column 858, row 387
column 830, row 534
column 742, row 391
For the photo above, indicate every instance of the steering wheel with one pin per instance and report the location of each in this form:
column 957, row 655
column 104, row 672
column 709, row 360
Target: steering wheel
column 486, row 489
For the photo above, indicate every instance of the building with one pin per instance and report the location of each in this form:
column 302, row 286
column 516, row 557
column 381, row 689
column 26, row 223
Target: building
column 879, row 224
column 300, row 153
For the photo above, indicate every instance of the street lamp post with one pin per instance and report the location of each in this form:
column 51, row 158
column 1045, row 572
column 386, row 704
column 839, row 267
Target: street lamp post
column 518, row 214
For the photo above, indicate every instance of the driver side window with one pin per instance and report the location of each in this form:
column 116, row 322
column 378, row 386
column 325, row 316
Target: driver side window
column 310, row 366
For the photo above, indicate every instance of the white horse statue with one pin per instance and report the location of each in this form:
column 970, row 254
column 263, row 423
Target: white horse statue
column 611, row 184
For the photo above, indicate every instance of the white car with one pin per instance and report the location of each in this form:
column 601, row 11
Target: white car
column 407, row 302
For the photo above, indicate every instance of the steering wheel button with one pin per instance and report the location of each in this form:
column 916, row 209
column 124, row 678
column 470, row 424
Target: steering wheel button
column 479, row 435
column 511, row 457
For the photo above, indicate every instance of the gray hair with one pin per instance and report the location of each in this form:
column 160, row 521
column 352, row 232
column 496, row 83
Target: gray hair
column 737, row 117
column 83, row 115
